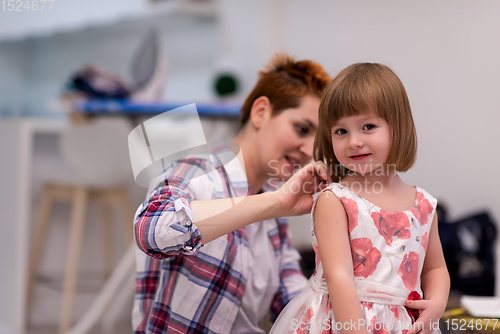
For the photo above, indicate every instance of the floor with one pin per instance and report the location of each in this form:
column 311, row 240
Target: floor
column 46, row 303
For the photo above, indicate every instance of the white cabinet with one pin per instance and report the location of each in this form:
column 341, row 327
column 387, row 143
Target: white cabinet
column 16, row 146
column 17, row 21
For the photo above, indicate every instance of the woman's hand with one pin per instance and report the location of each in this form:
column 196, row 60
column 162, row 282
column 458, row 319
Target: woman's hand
column 296, row 196
column 429, row 315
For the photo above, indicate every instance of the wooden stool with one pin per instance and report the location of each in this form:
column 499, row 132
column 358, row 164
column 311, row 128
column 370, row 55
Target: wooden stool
column 79, row 196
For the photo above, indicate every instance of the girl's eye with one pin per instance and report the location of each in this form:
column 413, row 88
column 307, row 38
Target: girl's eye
column 341, row 132
column 301, row 130
column 369, row 127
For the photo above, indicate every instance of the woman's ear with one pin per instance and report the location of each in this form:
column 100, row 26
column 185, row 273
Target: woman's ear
column 261, row 111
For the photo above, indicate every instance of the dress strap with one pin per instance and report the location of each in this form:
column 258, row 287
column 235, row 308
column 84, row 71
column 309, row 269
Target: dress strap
column 337, row 189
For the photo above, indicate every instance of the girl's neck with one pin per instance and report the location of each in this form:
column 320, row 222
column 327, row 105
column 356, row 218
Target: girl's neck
column 374, row 180
column 387, row 191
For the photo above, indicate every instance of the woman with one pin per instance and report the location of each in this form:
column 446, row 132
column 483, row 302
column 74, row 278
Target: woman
column 247, row 265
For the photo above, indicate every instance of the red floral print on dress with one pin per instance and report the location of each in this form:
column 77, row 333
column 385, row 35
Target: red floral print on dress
column 318, row 259
column 414, row 313
column 408, row 270
column 329, row 320
column 327, row 326
column 351, row 208
column 425, row 240
column 328, row 305
column 395, row 310
column 422, row 209
column 365, row 257
column 378, row 327
column 368, row 305
column 309, row 315
column 391, row 224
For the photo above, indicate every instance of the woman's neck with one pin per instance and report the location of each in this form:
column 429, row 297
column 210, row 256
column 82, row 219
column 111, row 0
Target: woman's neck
column 249, row 160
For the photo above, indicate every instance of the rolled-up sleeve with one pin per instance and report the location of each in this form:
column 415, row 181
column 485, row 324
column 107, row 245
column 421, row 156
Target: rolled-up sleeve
column 163, row 224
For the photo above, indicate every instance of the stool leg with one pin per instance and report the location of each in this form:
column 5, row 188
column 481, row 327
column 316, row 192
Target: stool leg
column 113, row 287
column 76, row 235
column 39, row 238
column 128, row 215
column 124, row 297
column 107, row 236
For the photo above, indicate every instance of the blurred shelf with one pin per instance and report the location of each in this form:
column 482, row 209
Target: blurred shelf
column 31, row 25
column 123, row 107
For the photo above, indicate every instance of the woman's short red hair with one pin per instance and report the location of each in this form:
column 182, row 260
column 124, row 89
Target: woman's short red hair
column 285, row 82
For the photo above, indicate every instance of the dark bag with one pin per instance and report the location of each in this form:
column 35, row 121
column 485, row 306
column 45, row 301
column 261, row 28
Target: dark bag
column 468, row 246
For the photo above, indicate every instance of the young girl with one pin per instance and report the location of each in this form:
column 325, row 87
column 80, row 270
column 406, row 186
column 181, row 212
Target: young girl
column 375, row 237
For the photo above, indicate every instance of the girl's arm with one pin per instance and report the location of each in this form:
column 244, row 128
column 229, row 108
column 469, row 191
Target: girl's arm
column 435, row 284
column 215, row 218
column 335, row 252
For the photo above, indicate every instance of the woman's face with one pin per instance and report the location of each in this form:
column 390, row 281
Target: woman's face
column 288, row 138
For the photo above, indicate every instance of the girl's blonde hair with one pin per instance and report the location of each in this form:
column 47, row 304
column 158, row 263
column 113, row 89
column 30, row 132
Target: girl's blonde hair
column 357, row 89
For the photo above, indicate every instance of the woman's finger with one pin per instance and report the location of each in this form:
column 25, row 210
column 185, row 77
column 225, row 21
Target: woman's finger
column 316, row 167
column 321, row 168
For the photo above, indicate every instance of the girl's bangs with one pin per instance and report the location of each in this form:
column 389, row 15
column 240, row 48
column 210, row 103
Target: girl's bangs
column 353, row 98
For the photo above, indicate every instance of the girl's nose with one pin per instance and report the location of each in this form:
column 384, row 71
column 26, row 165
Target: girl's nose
column 355, row 141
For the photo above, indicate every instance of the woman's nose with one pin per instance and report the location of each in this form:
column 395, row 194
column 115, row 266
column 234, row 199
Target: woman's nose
column 307, row 148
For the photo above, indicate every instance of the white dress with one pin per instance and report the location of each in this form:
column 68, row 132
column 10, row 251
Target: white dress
column 388, row 251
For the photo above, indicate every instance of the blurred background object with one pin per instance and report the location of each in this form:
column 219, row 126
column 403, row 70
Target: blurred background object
column 94, row 82
column 469, row 249
column 148, row 72
column 96, row 151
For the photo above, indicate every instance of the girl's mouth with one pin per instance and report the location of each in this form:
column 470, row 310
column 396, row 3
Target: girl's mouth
column 360, row 156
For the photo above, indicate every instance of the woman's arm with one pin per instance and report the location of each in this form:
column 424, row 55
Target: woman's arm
column 335, row 252
column 215, row 218
column 435, row 283
column 172, row 221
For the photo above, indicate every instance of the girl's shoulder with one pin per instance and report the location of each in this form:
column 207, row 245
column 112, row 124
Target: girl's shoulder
column 338, row 190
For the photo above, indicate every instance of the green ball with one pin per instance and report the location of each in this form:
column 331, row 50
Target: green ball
column 226, row 84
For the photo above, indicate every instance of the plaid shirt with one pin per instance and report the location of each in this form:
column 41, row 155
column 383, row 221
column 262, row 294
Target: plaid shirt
column 182, row 288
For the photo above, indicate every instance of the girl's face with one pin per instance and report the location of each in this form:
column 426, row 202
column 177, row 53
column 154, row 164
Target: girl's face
column 288, row 138
column 362, row 143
